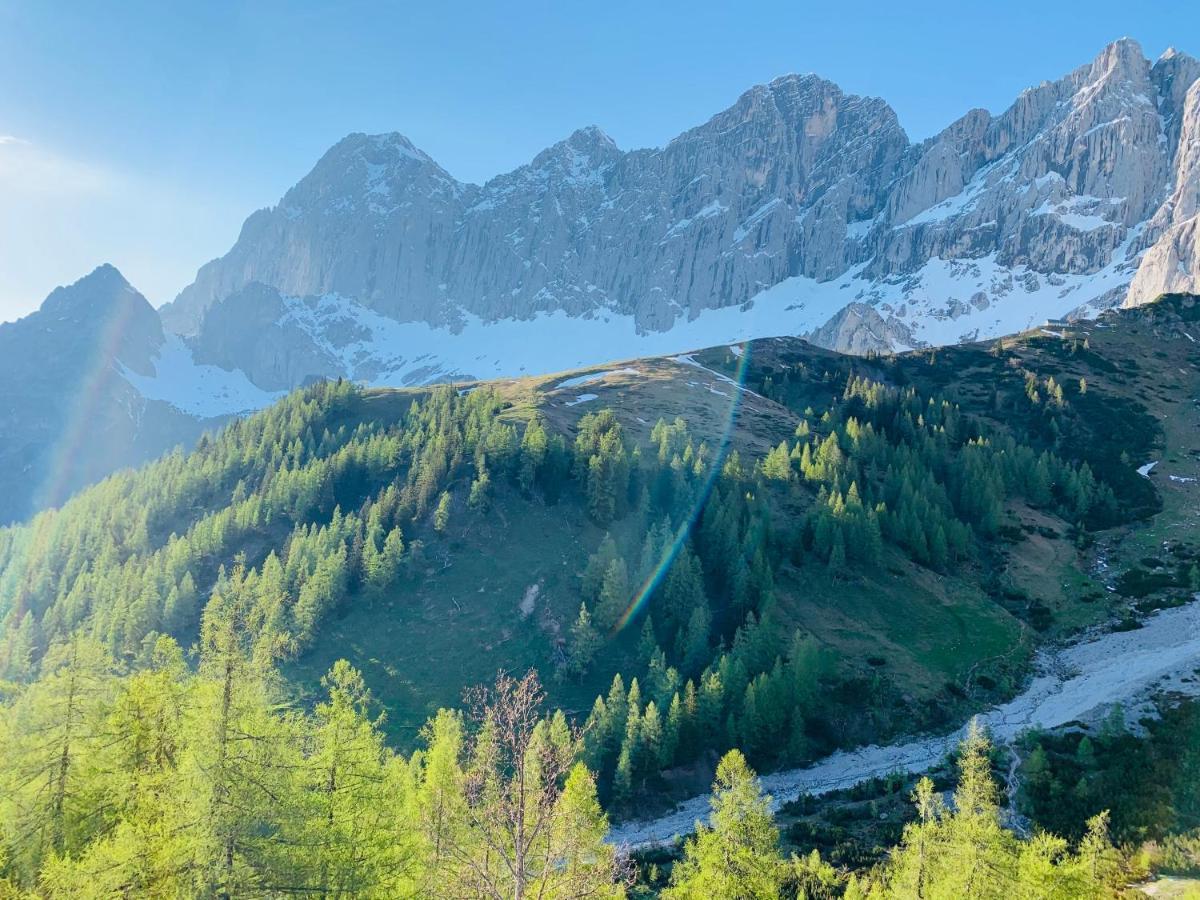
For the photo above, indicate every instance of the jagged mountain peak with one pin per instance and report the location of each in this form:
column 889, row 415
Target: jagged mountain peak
column 388, row 146
column 105, row 275
column 91, row 322
column 1173, row 56
column 1121, row 70
column 1173, row 63
column 1124, row 51
column 793, row 99
column 798, row 192
column 590, row 136
column 69, row 413
column 374, row 164
column 584, row 151
column 1173, row 75
column 101, row 292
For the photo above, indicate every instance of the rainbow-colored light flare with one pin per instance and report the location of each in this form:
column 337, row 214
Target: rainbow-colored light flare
column 642, row 595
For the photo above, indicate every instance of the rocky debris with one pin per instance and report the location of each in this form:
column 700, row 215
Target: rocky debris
column 1080, row 682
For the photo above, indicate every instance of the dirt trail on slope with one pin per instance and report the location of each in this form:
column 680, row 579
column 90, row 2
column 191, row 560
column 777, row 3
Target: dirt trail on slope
column 1073, row 683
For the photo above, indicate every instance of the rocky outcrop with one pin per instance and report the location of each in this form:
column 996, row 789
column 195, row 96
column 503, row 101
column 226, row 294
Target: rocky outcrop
column 1171, row 264
column 255, row 330
column 1044, row 208
column 858, row 328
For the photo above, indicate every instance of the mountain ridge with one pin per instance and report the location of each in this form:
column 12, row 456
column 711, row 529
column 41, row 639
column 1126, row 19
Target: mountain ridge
column 797, row 188
column 798, row 210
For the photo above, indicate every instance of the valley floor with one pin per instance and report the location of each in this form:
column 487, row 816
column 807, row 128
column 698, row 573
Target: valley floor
column 1074, row 683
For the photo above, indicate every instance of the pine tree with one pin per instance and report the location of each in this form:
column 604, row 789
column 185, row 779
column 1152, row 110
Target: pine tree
column 648, row 642
column 692, row 646
column 778, row 463
column 480, row 495
column 236, row 766
column 439, row 803
column 615, row 593
column 534, row 448
column 44, row 783
column 141, row 845
column 348, row 841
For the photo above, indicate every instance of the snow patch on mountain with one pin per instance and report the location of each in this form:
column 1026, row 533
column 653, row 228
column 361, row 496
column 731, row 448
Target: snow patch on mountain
column 944, row 302
column 199, row 390
column 594, row 376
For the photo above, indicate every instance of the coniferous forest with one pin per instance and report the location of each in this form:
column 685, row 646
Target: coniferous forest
column 195, row 699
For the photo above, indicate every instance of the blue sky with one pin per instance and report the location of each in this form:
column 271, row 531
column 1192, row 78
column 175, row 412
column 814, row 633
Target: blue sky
column 143, row 133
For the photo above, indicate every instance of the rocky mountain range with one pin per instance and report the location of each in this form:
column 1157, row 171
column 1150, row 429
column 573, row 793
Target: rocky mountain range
column 790, row 205
column 799, row 210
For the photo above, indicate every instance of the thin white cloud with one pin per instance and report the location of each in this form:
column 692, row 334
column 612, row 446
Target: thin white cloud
column 27, row 169
column 61, row 216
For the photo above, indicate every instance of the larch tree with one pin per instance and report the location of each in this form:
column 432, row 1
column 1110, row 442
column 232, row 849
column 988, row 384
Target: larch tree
column 49, row 750
column 736, row 855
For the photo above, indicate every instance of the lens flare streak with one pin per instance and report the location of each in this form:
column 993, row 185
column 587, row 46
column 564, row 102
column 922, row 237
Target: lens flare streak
column 654, row 579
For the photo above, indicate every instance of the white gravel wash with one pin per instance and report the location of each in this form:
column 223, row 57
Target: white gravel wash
column 1073, row 683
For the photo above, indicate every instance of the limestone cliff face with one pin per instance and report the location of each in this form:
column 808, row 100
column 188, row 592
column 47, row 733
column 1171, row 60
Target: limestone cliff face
column 1053, row 183
column 1050, row 206
column 372, row 220
column 761, row 192
column 1172, row 261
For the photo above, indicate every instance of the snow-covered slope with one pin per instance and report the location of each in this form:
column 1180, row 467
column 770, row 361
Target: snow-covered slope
column 200, row 390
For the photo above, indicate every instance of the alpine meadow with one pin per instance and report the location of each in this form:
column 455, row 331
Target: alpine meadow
column 792, row 509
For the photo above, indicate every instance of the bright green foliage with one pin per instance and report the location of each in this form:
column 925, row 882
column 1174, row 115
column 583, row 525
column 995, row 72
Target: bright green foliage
column 737, row 854
column 355, row 843
column 946, row 854
column 778, row 463
column 167, row 783
column 967, row 853
column 53, row 734
column 322, row 503
column 335, row 507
